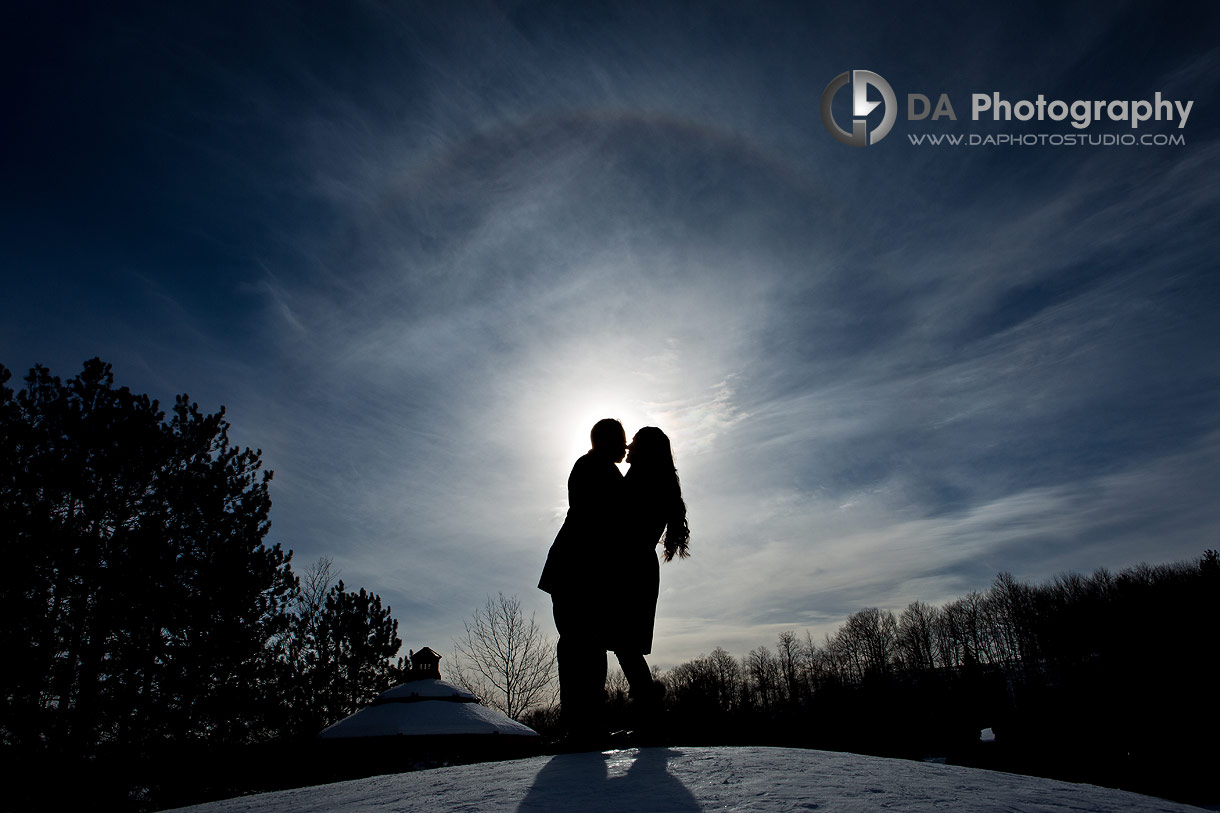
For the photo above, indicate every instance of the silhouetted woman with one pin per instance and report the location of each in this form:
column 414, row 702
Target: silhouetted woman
column 654, row 514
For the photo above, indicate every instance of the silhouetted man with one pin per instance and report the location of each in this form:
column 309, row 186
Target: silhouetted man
column 575, row 575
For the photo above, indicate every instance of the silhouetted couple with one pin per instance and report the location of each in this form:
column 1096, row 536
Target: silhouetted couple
column 602, row 570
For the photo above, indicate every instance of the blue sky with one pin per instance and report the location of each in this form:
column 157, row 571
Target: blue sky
column 417, row 249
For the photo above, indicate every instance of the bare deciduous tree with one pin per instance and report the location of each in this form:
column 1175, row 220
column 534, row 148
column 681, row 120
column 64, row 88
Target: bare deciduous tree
column 788, row 652
column 868, row 638
column 915, row 637
column 315, row 584
column 616, row 684
column 766, row 678
column 505, row 658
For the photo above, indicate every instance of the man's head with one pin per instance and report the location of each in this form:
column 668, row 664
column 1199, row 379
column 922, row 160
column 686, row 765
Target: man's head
column 609, row 439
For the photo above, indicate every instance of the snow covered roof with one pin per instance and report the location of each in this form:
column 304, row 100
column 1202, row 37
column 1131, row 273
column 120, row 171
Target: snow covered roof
column 426, row 688
column 426, row 708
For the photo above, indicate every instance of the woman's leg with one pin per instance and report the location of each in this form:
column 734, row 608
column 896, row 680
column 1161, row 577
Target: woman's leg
column 647, row 695
column 635, row 669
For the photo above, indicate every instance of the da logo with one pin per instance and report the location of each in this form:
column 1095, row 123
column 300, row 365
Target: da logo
column 860, row 108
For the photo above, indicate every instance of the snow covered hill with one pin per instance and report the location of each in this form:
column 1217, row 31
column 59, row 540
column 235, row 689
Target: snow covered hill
column 689, row 779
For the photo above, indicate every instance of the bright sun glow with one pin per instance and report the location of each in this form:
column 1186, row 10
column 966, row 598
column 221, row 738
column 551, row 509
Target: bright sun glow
column 579, row 418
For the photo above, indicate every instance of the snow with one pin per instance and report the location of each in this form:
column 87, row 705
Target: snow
column 690, row 779
column 429, row 687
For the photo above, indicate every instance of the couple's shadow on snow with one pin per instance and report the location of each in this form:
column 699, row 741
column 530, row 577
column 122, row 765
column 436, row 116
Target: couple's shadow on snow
column 614, row 780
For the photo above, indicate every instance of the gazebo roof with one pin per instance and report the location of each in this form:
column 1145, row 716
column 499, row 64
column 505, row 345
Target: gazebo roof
column 426, row 717
column 426, row 706
column 426, row 653
column 425, row 689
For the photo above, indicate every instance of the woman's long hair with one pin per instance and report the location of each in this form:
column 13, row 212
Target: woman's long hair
column 650, row 450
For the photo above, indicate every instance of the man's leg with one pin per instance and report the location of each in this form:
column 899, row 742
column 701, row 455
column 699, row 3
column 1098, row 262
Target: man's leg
column 582, row 669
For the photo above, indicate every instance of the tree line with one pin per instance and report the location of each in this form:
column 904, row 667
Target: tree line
column 1108, row 678
column 1024, row 632
column 142, row 606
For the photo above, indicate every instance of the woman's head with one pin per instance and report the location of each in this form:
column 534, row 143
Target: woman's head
column 650, row 448
column 651, row 454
